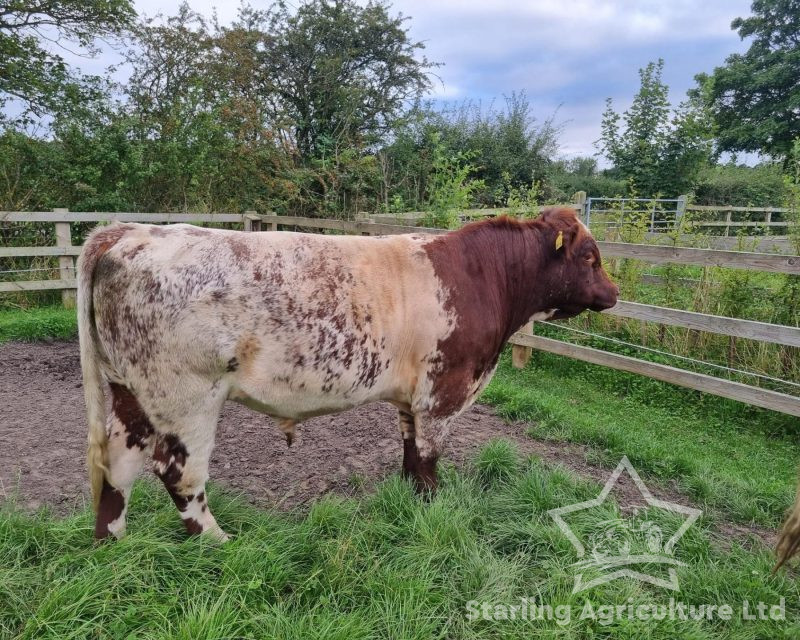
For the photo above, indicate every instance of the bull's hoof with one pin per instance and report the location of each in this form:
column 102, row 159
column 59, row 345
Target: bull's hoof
column 424, row 486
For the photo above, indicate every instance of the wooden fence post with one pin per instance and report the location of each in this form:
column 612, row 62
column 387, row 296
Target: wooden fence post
column 363, row 218
column 66, row 264
column 274, row 225
column 252, row 221
column 680, row 209
column 580, row 199
column 520, row 356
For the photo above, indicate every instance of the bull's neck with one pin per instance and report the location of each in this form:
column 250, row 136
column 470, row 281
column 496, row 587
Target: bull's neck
column 495, row 270
column 519, row 270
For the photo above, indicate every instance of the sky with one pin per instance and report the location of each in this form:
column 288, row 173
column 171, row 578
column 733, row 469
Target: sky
column 567, row 55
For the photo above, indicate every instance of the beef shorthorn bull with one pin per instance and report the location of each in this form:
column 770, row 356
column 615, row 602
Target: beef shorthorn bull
column 179, row 319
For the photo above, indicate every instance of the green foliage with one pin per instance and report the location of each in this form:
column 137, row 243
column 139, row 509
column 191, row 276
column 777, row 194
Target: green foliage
column 792, row 186
column 26, row 167
column 507, row 147
column 754, row 96
column 450, row 187
column 387, row 566
column 339, row 71
column 40, row 323
column 659, row 153
column 316, row 111
column 523, row 201
column 581, row 174
column 222, row 118
column 739, row 185
column 31, row 74
column 788, row 299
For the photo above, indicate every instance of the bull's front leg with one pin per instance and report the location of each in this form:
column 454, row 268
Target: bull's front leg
column 423, row 439
column 407, row 430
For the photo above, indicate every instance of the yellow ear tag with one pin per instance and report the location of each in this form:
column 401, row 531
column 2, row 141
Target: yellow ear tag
column 559, row 240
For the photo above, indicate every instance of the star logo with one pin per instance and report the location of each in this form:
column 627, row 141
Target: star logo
column 611, row 545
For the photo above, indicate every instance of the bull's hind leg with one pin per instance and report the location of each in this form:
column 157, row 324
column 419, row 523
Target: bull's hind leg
column 181, row 461
column 129, row 435
column 407, row 430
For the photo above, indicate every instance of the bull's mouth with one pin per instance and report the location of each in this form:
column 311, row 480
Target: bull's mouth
column 570, row 312
column 566, row 312
column 604, row 304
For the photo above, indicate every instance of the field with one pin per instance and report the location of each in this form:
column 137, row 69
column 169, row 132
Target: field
column 360, row 556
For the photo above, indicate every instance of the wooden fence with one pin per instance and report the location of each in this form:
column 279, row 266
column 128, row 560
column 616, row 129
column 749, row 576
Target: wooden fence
column 67, row 252
column 772, row 234
column 524, row 341
column 766, row 213
column 725, row 212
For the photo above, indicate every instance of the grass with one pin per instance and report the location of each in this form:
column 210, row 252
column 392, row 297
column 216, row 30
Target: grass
column 730, row 457
column 386, row 566
column 38, row 323
column 390, row 565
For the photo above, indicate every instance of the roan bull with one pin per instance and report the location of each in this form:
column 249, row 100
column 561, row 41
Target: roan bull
column 179, row 319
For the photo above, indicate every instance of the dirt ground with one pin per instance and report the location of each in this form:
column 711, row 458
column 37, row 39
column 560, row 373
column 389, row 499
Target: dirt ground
column 43, row 443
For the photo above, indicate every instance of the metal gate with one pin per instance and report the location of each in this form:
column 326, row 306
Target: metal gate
column 664, row 213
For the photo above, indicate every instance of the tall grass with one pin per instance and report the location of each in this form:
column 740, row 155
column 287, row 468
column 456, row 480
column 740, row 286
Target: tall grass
column 729, row 457
column 387, row 566
column 38, row 323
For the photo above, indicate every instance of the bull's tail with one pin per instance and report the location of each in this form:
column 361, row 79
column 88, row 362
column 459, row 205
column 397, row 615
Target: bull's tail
column 94, row 248
column 789, row 540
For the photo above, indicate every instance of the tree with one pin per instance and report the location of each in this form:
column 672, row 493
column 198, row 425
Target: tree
column 340, row 72
column 509, row 149
column 40, row 79
column 754, row 97
column 658, row 153
column 583, row 166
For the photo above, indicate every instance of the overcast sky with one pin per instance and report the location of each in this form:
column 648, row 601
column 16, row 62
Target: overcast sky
column 568, row 55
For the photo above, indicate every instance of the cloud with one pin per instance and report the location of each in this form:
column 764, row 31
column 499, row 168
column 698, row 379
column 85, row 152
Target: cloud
column 572, row 53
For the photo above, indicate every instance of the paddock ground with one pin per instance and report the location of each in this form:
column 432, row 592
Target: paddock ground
column 306, row 559
column 43, row 436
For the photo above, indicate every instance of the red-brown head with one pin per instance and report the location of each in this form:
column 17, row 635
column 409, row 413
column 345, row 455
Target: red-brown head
column 573, row 276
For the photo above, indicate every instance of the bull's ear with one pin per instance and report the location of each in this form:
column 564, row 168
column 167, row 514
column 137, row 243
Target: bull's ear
column 566, row 239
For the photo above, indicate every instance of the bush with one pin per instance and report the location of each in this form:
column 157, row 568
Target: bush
column 597, row 185
column 741, row 186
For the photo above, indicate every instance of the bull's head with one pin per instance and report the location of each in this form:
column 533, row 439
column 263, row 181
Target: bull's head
column 574, row 277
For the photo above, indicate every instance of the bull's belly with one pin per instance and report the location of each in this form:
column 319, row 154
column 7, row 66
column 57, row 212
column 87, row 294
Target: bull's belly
column 305, row 396
column 295, row 408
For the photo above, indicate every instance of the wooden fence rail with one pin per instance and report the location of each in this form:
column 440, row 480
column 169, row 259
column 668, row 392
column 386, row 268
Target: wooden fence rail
column 656, row 254
column 66, row 252
column 523, row 341
column 62, row 215
column 726, row 207
column 701, row 382
column 21, row 252
column 721, row 325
